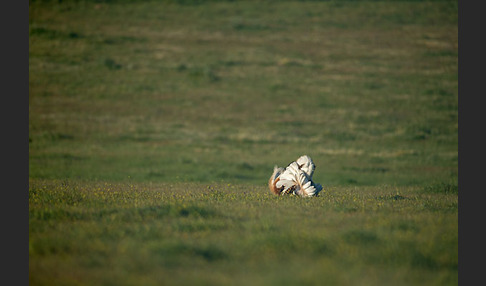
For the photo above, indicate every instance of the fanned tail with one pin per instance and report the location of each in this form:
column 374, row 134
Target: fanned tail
column 274, row 178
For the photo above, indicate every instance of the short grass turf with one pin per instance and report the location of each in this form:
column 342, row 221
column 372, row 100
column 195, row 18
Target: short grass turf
column 212, row 91
column 84, row 233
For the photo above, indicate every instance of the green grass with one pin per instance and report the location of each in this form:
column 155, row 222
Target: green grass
column 154, row 126
column 223, row 91
column 88, row 233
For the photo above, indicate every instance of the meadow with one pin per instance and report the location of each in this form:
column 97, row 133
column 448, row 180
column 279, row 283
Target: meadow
column 154, row 126
column 222, row 234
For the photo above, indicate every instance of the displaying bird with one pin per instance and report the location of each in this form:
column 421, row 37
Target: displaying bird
column 296, row 179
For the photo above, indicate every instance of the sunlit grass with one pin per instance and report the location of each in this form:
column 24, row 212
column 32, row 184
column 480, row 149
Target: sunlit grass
column 79, row 230
column 167, row 92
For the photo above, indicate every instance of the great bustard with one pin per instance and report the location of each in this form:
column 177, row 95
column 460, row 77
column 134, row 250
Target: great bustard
column 295, row 179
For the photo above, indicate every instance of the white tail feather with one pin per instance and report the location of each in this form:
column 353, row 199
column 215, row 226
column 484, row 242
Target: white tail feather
column 297, row 178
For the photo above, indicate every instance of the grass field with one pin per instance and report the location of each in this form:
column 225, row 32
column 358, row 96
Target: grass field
column 154, row 126
column 195, row 234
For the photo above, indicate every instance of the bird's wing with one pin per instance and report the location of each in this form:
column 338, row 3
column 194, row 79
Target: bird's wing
column 305, row 186
column 287, row 179
column 305, row 164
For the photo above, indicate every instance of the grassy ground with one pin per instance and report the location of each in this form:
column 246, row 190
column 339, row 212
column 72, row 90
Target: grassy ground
column 224, row 91
column 195, row 234
column 154, row 126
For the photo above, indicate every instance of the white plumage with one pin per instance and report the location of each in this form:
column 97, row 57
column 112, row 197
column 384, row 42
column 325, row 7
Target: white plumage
column 295, row 179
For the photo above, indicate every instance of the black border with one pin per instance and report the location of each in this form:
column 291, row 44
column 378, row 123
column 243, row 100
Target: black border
column 15, row 141
column 471, row 141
